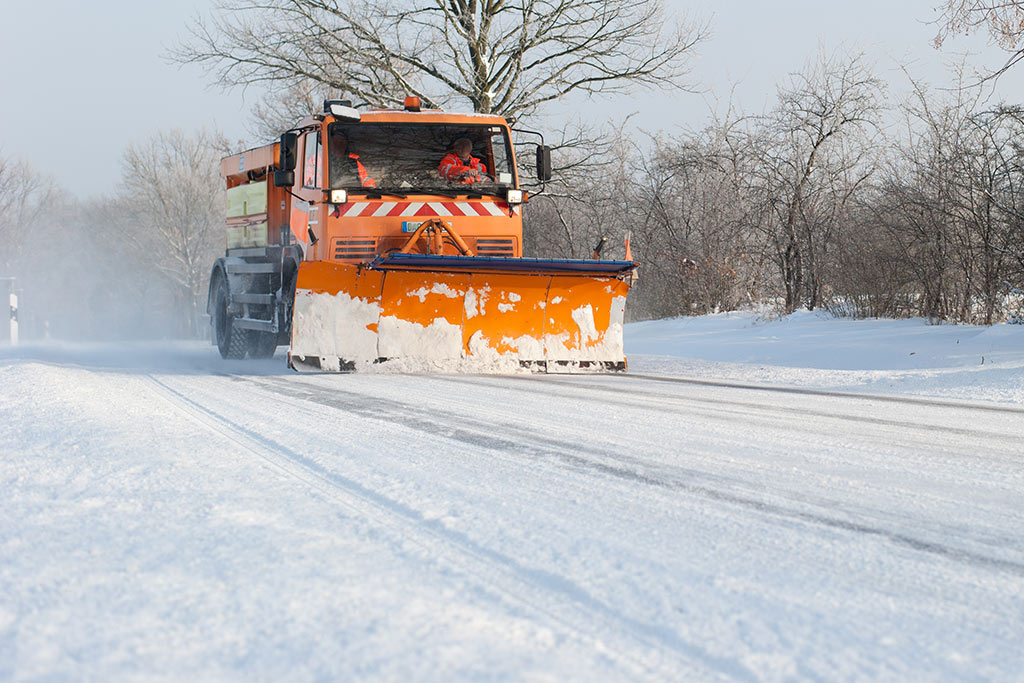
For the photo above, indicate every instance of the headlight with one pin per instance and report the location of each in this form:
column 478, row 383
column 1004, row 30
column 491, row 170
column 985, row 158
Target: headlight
column 514, row 196
column 339, row 196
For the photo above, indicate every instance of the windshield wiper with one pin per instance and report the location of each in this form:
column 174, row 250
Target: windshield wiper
column 380, row 194
column 434, row 190
column 477, row 193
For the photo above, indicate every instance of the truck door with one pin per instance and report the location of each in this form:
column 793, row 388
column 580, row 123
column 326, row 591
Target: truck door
column 305, row 218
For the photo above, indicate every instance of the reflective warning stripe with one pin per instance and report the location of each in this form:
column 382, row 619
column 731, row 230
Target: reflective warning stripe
column 405, row 209
column 384, row 208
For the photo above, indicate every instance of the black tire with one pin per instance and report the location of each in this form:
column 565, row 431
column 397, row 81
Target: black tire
column 262, row 344
column 232, row 342
column 287, row 308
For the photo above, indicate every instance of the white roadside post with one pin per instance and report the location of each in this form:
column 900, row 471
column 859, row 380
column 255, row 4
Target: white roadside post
column 7, row 285
column 14, row 319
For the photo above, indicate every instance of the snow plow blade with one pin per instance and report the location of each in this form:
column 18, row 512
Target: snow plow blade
column 460, row 314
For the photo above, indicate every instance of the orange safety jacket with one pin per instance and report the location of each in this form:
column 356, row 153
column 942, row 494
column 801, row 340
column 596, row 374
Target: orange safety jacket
column 364, row 178
column 451, row 167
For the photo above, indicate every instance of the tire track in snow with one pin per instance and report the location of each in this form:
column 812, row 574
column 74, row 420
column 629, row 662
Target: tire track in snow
column 713, row 443
column 511, row 438
column 876, row 519
column 651, row 650
column 729, row 412
column 909, row 400
column 619, row 392
column 984, row 446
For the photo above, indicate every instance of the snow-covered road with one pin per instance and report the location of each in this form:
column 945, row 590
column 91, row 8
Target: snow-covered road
column 170, row 515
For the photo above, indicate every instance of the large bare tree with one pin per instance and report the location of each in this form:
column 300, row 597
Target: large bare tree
column 501, row 56
column 814, row 154
column 172, row 208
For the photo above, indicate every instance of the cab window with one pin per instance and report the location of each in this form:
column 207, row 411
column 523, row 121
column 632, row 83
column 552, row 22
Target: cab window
column 311, row 163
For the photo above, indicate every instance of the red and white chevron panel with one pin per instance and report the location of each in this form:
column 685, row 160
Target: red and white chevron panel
column 428, row 209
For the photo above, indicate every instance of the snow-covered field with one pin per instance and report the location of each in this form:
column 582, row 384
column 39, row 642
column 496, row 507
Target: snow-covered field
column 798, row 499
column 815, row 350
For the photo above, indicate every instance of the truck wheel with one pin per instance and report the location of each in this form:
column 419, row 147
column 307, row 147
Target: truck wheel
column 262, row 344
column 286, row 309
column 231, row 341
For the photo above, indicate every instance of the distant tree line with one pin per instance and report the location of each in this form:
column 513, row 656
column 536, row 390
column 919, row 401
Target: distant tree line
column 813, row 204
column 130, row 264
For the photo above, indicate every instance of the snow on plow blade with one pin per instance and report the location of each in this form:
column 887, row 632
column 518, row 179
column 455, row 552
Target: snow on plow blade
column 460, row 313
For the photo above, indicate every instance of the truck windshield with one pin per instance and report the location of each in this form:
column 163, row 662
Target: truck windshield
column 410, row 157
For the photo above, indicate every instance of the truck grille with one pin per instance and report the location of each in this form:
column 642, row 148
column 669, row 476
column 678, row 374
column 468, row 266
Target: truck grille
column 495, row 247
column 362, row 248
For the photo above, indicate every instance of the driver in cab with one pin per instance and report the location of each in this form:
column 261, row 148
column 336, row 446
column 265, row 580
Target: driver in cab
column 460, row 166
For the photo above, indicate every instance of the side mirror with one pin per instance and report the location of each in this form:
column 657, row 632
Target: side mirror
column 284, row 178
column 543, row 163
column 289, row 152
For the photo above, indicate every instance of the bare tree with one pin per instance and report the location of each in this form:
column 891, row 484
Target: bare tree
column 987, row 182
column 502, row 56
column 814, row 154
column 999, row 155
column 950, row 204
column 693, row 222
column 23, row 194
column 172, row 208
column 280, row 109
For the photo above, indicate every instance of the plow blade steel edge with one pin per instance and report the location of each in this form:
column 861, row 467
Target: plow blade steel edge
column 347, row 317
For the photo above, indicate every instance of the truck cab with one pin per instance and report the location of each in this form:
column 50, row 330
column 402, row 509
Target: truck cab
column 365, row 186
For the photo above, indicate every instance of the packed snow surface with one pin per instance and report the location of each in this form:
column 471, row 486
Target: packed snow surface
column 803, row 498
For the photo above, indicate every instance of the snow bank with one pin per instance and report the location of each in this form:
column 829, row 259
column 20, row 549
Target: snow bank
column 817, row 349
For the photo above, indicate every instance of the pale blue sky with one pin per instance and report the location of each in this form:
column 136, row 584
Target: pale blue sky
column 80, row 80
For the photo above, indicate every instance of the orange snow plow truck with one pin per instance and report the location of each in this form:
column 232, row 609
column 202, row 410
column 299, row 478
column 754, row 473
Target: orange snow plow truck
column 395, row 236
